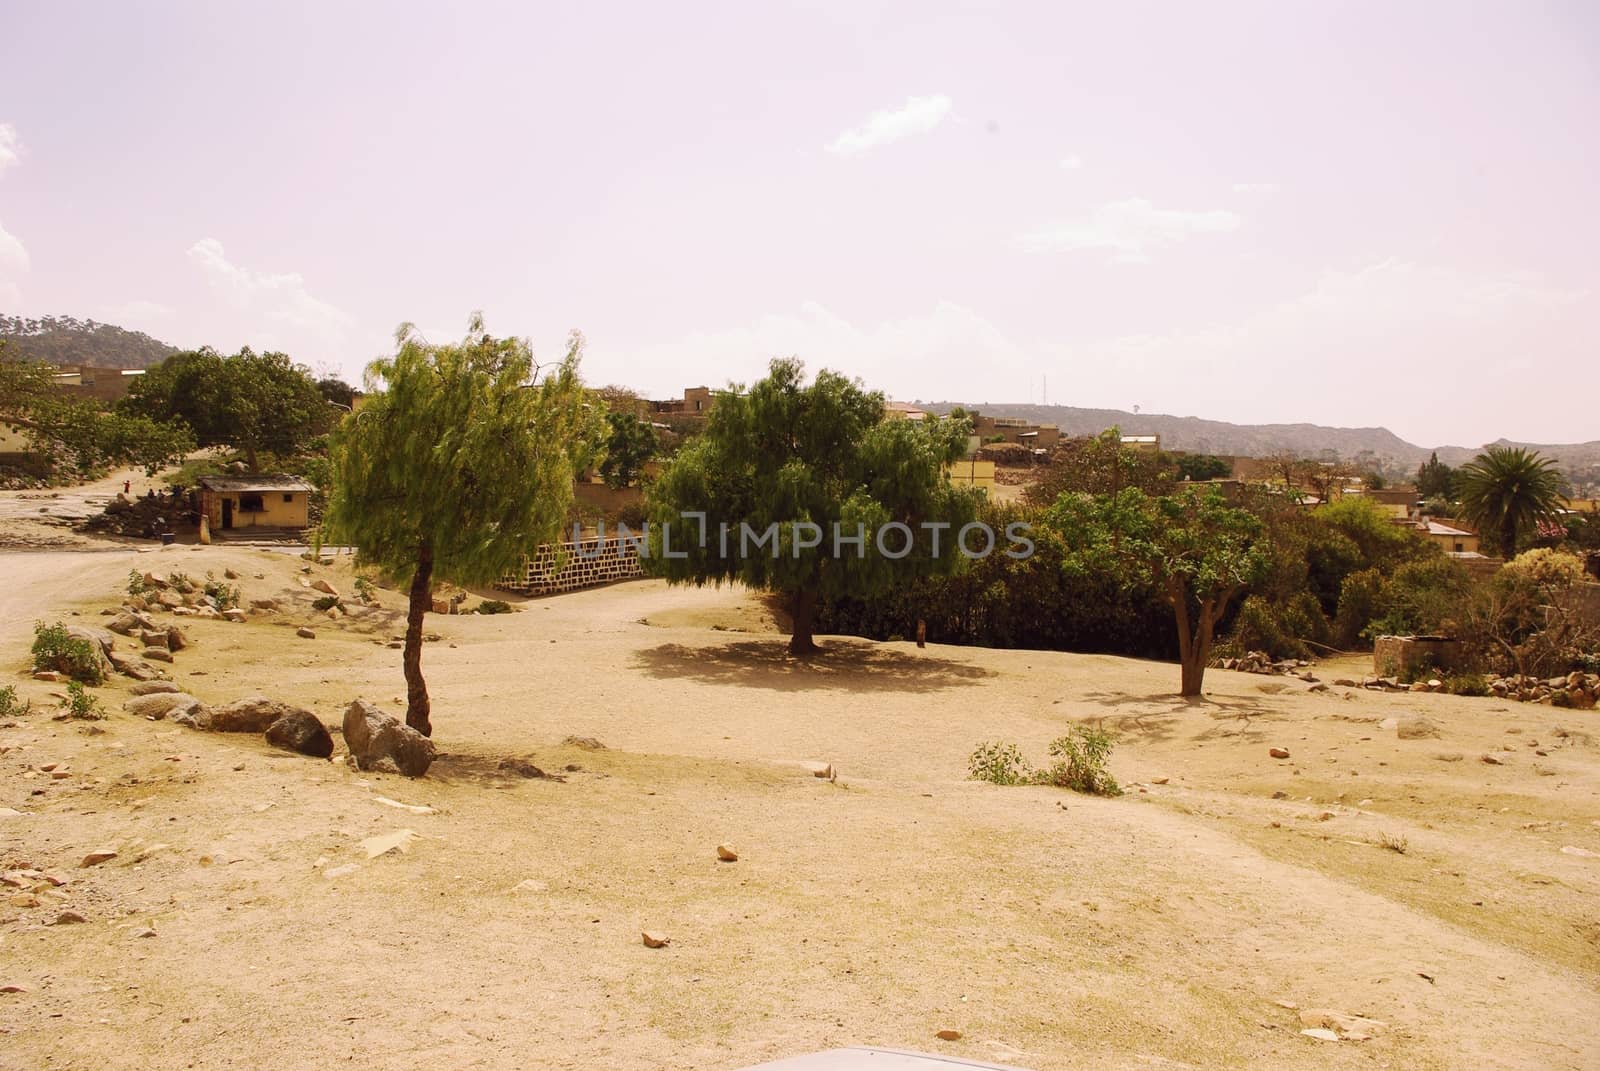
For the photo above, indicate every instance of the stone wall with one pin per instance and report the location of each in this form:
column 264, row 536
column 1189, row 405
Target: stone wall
column 1396, row 656
column 558, row 567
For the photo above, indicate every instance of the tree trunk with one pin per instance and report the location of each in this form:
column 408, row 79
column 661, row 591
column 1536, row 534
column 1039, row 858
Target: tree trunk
column 1192, row 673
column 250, row 458
column 1199, row 653
column 1508, row 540
column 803, row 609
column 417, row 705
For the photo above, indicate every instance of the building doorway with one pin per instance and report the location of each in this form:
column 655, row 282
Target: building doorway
column 227, row 513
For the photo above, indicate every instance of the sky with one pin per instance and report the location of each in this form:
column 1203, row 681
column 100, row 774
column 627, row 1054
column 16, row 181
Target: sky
column 1354, row 214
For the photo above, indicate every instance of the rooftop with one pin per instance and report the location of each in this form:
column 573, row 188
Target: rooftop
column 255, row 482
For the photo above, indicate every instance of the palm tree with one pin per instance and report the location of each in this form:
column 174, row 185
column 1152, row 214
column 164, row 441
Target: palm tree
column 1508, row 490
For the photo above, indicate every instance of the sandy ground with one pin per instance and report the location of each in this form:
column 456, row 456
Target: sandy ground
column 1165, row 929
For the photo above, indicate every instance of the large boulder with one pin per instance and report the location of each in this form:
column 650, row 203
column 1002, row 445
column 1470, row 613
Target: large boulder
column 100, row 641
column 176, row 640
column 126, row 623
column 380, row 742
column 136, row 668
column 252, row 714
column 179, row 706
column 302, row 731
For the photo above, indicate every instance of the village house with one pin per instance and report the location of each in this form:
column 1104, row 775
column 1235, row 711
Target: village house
column 256, row 501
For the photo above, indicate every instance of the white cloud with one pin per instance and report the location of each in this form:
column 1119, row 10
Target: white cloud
column 278, row 297
column 1255, row 187
column 1130, row 229
column 10, row 147
column 1071, row 163
column 920, row 115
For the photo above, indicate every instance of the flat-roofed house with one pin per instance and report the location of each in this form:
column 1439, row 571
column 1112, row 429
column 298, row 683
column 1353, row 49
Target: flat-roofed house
column 258, row 501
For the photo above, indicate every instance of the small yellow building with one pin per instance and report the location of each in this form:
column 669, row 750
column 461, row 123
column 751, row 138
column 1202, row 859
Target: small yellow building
column 972, row 473
column 272, row 501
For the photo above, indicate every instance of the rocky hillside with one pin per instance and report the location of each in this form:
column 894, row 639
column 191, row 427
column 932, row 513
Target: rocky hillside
column 64, row 340
column 1258, row 440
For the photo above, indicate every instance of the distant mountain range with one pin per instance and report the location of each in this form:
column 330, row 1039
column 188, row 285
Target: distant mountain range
column 1580, row 461
column 63, row 340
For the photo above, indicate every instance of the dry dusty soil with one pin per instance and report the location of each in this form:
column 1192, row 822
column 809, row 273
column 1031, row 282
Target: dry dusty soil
column 1202, row 920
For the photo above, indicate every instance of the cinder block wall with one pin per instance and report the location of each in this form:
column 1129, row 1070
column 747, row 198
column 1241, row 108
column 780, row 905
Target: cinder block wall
column 1395, row 656
column 558, row 567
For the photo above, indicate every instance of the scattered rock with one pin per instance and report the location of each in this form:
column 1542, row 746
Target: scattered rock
column 153, row 687
column 156, row 654
column 521, row 767
column 653, row 939
column 235, row 614
column 98, row 856
column 340, row 871
column 49, row 676
column 726, row 854
column 587, row 743
column 69, row 918
column 948, row 1035
column 1582, row 853
column 1490, row 760
column 301, row 731
column 164, row 704
column 398, row 841
column 1159, row 780
column 1415, row 727
column 325, row 587
column 1278, row 752
column 379, row 742
column 252, row 714
column 1321, row 1034
column 414, row 808
column 146, row 932
column 305, row 633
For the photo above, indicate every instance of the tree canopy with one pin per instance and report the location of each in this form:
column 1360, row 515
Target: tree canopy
column 630, row 442
column 1507, row 491
column 1192, row 547
column 782, row 467
column 78, row 435
column 460, row 462
column 1099, row 465
column 252, row 402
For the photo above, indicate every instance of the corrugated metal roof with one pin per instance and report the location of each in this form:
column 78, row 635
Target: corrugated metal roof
column 258, row 482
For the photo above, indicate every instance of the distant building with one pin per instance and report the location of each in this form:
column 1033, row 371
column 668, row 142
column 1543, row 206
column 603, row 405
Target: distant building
column 1451, row 539
column 696, row 401
column 903, row 411
column 99, row 384
column 262, row 501
column 1143, row 443
column 1038, row 437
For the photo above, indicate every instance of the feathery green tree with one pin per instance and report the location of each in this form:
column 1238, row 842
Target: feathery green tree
column 458, row 464
column 783, row 469
column 631, row 442
column 1508, row 491
column 1193, row 548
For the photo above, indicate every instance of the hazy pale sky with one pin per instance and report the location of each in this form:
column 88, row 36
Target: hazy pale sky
column 1342, row 213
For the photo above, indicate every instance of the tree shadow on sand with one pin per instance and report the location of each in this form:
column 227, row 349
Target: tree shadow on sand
column 1155, row 717
column 490, row 771
column 838, row 666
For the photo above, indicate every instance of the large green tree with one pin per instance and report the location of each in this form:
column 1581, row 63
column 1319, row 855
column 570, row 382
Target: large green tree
column 79, row 435
column 784, row 466
column 460, row 461
column 1099, row 465
column 254, row 402
column 1192, row 547
column 1506, row 491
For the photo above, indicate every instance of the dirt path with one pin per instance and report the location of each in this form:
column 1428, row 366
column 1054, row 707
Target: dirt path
column 1164, row 929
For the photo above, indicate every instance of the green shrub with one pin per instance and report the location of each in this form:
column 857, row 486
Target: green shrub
column 999, row 764
column 54, row 650
column 224, row 596
column 136, row 584
column 364, row 590
column 1081, row 762
column 1466, row 684
column 494, row 606
column 10, row 706
column 80, row 704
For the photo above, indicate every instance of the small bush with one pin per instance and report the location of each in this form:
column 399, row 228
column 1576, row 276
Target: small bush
column 364, row 590
column 1396, row 844
column 181, row 582
column 136, row 584
column 10, row 706
column 999, row 764
column 494, row 606
column 1081, row 762
column 80, row 704
column 224, row 596
column 54, row 650
column 326, row 602
column 1466, row 684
